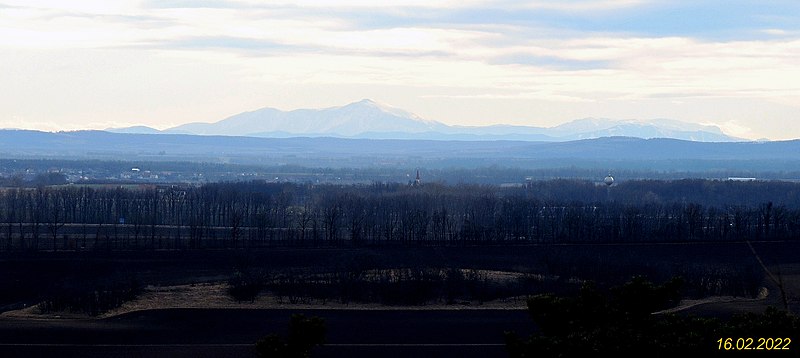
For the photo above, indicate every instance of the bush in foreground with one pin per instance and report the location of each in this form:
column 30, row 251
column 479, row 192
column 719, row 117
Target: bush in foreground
column 622, row 321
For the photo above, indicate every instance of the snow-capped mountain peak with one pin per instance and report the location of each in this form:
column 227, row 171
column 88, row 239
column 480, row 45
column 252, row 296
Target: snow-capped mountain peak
column 370, row 119
column 365, row 116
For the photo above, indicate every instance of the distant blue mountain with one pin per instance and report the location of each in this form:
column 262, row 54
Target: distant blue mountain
column 369, row 119
column 134, row 130
column 94, row 144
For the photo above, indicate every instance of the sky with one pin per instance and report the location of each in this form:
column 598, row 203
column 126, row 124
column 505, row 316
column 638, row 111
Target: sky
column 94, row 64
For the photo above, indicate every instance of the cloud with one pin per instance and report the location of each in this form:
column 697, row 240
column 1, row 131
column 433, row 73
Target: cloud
column 225, row 42
column 776, row 32
column 735, row 129
column 552, row 62
column 582, row 5
column 580, row 52
column 538, row 96
column 190, row 4
column 84, row 6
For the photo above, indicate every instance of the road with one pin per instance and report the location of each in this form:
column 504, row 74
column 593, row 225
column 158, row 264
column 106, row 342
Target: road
column 232, row 333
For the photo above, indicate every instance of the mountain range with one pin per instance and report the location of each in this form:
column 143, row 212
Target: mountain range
column 367, row 119
column 660, row 154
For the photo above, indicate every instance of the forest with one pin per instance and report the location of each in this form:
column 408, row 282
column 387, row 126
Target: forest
column 263, row 214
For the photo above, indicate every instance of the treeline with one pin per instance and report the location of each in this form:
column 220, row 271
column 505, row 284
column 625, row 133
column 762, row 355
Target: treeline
column 41, row 179
column 91, row 297
column 246, row 214
column 403, row 286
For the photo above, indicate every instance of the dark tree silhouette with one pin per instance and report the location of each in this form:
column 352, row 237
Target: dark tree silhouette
column 625, row 320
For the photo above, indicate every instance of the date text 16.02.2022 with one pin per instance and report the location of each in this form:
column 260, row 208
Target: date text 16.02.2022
column 746, row 344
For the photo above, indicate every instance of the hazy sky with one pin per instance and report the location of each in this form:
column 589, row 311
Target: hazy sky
column 94, row 64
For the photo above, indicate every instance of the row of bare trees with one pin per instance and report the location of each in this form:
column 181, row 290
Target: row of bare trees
column 260, row 214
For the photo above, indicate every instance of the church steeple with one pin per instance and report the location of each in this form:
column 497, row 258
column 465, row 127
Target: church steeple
column 416, row 181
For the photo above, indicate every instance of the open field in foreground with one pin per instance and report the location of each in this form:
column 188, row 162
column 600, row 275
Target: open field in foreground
column 184, row 308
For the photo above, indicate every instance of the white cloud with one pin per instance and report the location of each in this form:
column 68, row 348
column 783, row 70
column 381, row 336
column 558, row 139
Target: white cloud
column 84, row 6
column 582, row 5
column 247, row 45
column 388, row 3
column 734, row 128
column 561, row 5
column 776, row 32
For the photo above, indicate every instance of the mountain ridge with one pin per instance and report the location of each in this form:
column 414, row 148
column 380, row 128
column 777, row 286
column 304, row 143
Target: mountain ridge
column 369, row 119
column 83, row 143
